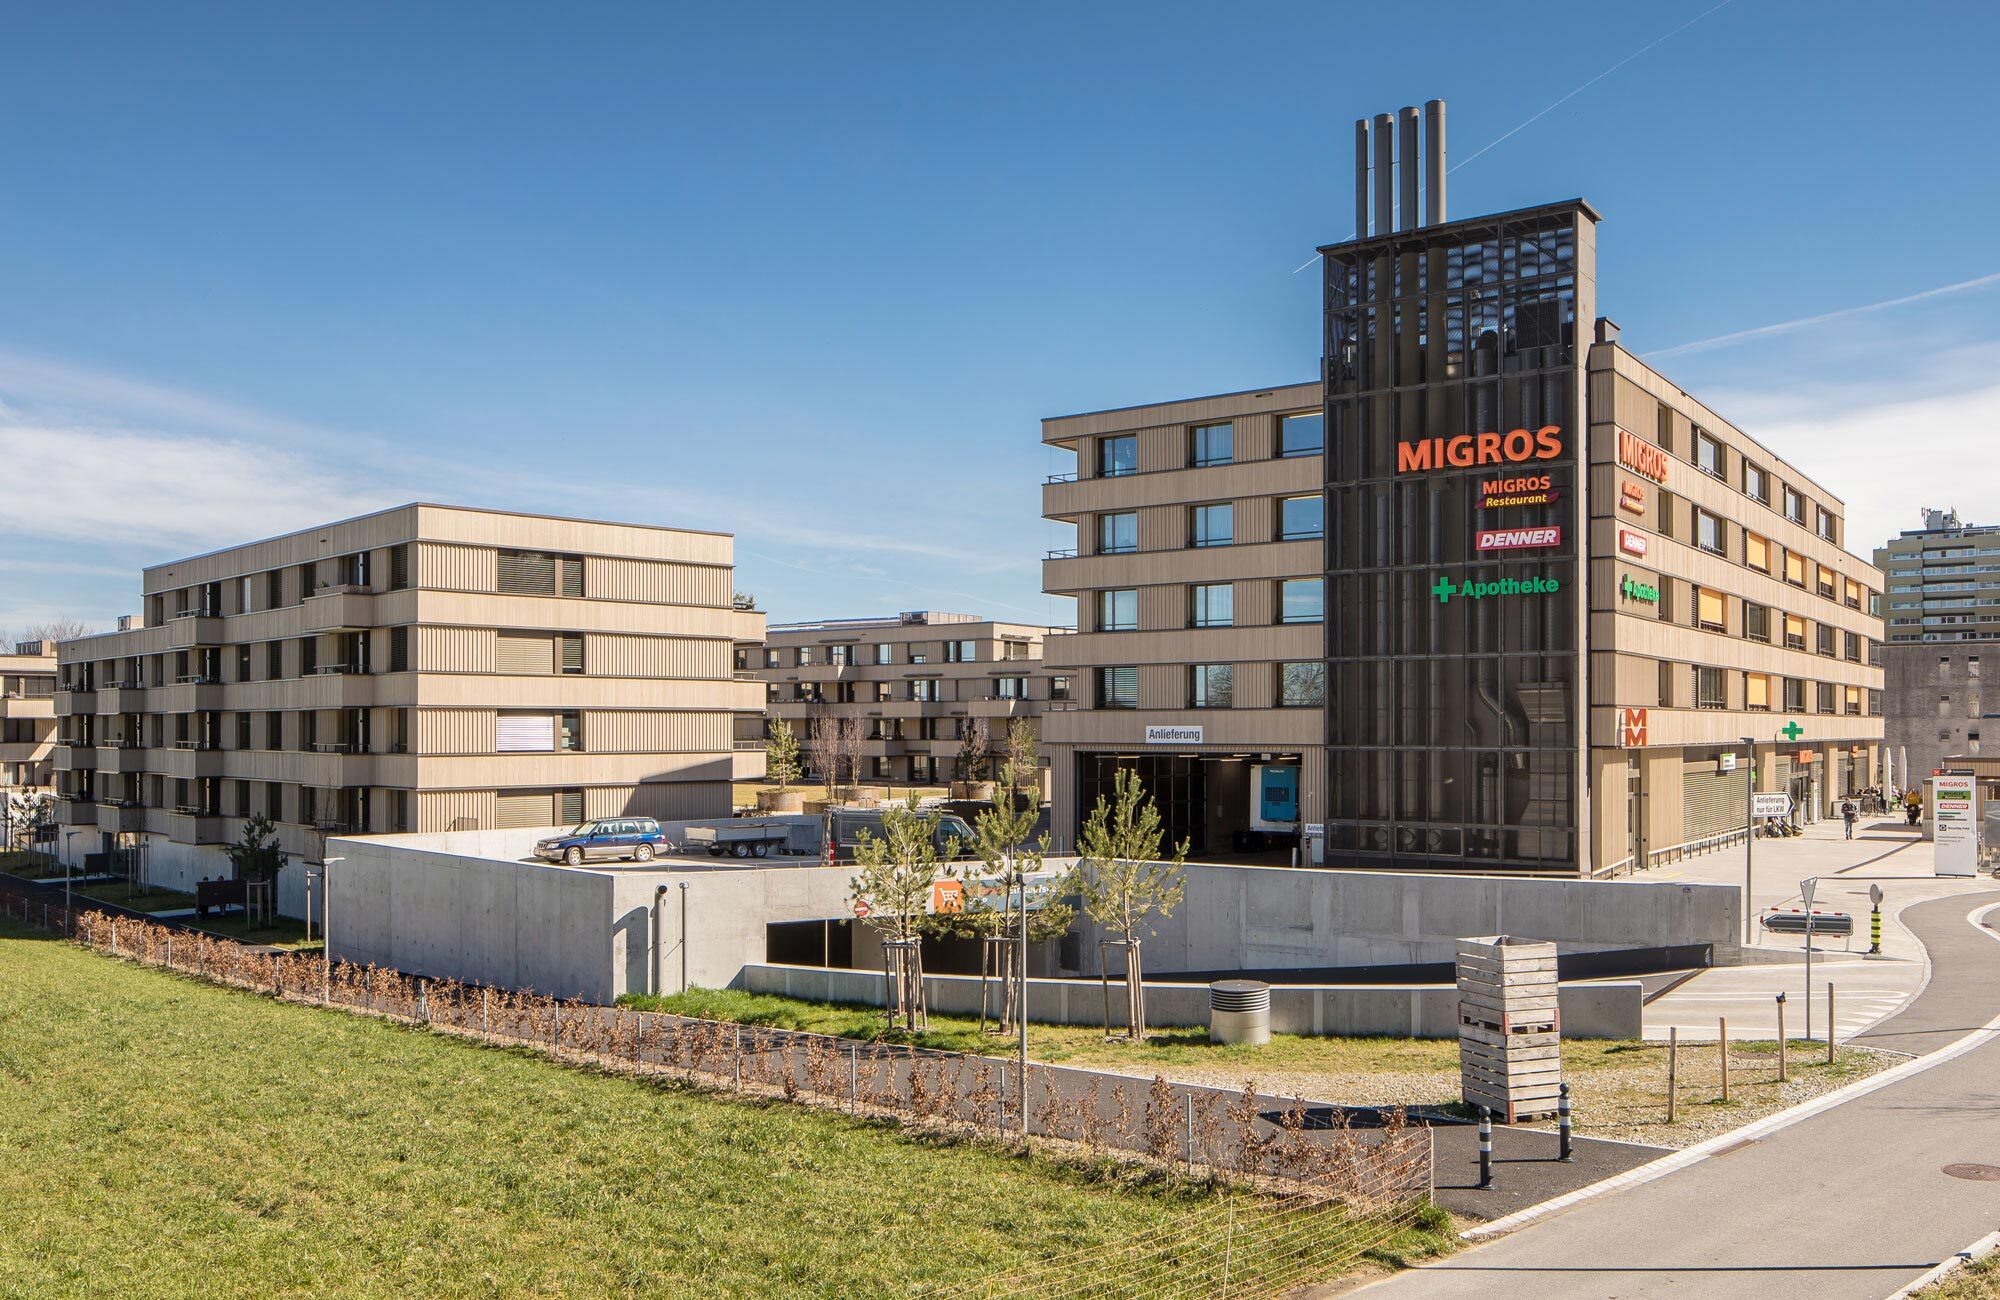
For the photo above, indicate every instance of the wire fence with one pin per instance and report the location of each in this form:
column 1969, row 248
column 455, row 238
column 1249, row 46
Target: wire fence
column 1308, row 1194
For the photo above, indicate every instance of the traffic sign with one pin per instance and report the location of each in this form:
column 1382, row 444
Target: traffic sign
column 1778, row 804
column 860, row 908
column 1806, row 888
column 1875, row 895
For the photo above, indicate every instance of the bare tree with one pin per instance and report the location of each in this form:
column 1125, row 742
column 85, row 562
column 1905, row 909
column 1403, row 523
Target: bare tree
column 833, row 749
column 973, row 739
column 56, row 629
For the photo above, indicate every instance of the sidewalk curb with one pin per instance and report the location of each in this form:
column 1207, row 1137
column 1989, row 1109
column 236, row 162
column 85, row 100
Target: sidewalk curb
column 1752, row 1132
column 1972, row 1254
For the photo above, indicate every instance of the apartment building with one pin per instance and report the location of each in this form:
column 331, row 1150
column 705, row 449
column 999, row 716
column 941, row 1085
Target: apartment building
column 1493, row 594
column 912, row 682
column 424, row 668
column 28, row 717
column 1943, row 604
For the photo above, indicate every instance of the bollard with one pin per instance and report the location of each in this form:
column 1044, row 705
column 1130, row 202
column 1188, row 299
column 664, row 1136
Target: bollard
column 1875, row 931
column 1722, row 1045
column 1781, row 1038
column 1673, row 1064
column 1563, row 1152
column 1485, row 1148
column 1831, row 1023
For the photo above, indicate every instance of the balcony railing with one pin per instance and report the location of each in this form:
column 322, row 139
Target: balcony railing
column 198, row 612
column 196, row 744
column 197, row 679
column 329, row 670
column 336, row 747
column 1060, row 553
column 1061, row 478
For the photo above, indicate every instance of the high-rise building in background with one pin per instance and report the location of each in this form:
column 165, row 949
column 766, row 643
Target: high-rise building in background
column 1524, row 616
column 1943, row 607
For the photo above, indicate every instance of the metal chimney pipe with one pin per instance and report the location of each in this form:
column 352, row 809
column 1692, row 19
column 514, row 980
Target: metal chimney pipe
column 1434, row 163
column 1385, row 173
column 1361, row 177
column 1406, row 169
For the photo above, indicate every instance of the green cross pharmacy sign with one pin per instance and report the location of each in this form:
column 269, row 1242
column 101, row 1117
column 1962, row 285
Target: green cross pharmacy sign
column 1445, row 588
column 1791, row 731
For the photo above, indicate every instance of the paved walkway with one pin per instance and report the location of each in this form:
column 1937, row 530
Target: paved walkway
column 1850, row 1203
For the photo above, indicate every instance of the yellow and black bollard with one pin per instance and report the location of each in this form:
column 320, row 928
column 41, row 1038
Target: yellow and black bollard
column 1875, row 932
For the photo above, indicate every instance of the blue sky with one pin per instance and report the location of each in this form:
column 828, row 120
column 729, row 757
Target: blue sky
column 812, row 274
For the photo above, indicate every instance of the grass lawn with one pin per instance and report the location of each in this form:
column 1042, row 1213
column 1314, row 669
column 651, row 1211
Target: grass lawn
column 282, row 932
column 1619, row 1088
column 170, row 1138
column 1980, row 1281
column 140, row 900
column 28, row 864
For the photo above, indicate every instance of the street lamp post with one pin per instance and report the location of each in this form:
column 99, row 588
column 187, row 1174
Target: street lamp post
column 68, row 855
column 1749, row 824
column 326, row 925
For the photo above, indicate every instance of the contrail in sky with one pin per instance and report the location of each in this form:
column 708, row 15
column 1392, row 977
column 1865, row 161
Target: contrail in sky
column 1787, row 326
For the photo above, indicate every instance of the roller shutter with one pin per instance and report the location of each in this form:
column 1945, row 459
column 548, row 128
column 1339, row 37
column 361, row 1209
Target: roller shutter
column 570, row 804
column 524, row 733
column 1711, row 801
column 524, row 653
column 527, row 573
column 516, row 810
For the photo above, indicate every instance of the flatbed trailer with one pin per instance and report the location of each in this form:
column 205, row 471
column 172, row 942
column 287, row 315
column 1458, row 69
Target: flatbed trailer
column 747, row 839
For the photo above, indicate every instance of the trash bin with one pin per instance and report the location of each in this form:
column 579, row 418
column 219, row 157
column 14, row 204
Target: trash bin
column 1239, row 1011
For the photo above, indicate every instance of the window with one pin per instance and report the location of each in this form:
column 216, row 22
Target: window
column 1756, row 483
column 1795, row 695
column 1756, row 551
column 243, row 662
column 1795, row 632
column 274, row 660
column 569, row 652
column 1826, row 640
column 274, row 589
column 1665, row 605
column 1667, row 505
column 1118, row 688
column 1852, row 702
column 1212, row 686
column 1708, row 531
column 1010, row 688
column 243, row 731
column 274, row 801
column 1301, row 517
column 1823, row 523
column 1709, row 692
column 924, row 690
column 1302, row 685
column 399, row 566
column 274, row 731
column 918, row 655
column 1826, row 697
column 807, row 658
column 1212, row 605
column 1851, row 647
column 399, row 649
column 1118, row 611
column 1709, row 610
column 1302, row 600
column 885, row 653
column 1795, row 507
column 538, row 573
column 1117, row 534
column 1302, row 435
column 1795, row 568
column 1117, row 456
column 1211, row 444
column 1827, row 580
column 1013, row 649
column 1213, row 525
column 961, row 652
column 524, row 733
column 1851, row 593
column 1707, row 454
column 1059, row 687
column 1757, row 692
column 840, row 656
column 569, row 730
column 1757, row 622
column 1666, row 686
column 1663, row 427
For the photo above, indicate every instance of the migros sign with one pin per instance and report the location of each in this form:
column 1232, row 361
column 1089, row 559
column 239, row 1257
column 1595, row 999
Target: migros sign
column 1635, row 453
column 1515, row 447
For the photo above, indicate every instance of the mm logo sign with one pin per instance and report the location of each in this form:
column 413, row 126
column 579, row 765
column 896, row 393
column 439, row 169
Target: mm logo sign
column 1515, row 447
column 1518, row 539
column 1635, row 453
column 1631, row 728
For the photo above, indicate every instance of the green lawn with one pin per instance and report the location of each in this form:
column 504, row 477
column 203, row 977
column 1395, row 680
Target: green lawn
column 167, row 1138
column 148, row 899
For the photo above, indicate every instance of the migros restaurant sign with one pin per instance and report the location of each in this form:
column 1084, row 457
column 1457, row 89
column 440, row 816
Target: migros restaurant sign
column 1516, row 447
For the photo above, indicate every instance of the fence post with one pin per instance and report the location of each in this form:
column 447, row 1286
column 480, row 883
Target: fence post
column 1673, row 1064
column 1831, row 1023
column 1003, row 1096
column 739, row 1058
column 1722, row 1038
column 1187, row 1143
column 854, row 1079
column 484, row 1030
column 1781, row 1038
column 114, row 936
column 170, row 950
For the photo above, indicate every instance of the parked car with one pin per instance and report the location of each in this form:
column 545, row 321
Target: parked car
column 848, row 823
column 638, row 838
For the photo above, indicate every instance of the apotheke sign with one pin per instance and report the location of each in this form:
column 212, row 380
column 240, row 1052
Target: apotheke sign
column 1632, row 589
column 1468, row 449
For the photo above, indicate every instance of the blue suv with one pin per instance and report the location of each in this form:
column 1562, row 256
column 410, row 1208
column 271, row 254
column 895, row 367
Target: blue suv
column 638, row 838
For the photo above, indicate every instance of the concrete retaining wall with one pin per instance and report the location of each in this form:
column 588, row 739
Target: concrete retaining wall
column 1596, row 1010
column 1275, row 918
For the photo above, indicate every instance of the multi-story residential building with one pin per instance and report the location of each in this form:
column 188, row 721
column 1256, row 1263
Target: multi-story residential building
column 27, row 716
column 1493, row 594
column 1943, row 606
column 912, row 683
column 425, row 668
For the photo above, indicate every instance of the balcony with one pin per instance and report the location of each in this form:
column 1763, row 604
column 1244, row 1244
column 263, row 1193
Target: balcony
column 338, row 607
column 193, row 627
column 76, row 812
column 71, row 702
column 17, row 705
column 194, row 825
column 119, row 817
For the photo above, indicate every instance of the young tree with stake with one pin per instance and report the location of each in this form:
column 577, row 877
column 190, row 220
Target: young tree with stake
column 892, row 888
column 1125, row 881
column 781, row 755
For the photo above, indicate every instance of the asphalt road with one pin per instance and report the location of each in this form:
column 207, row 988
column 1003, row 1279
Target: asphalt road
column 1848, row 1204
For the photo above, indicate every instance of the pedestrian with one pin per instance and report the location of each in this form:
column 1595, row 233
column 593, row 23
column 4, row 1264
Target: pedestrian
column 1913, row 806
column 1848, row 814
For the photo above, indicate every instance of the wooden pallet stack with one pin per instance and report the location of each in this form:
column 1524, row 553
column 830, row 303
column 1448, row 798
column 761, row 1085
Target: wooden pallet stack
column 1509, row 1027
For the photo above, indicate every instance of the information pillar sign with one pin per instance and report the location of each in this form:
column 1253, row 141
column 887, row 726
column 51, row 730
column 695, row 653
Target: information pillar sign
column 1955, row 820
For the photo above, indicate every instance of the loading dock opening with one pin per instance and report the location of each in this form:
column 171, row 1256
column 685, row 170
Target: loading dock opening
column 1240, row 807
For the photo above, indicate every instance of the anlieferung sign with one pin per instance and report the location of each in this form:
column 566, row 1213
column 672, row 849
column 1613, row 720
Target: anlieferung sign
column 1173, row 735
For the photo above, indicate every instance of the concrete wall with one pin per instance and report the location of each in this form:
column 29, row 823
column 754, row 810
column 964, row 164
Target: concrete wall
column 1596, row 1010
column 1270, row 918
column 1933, row 701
